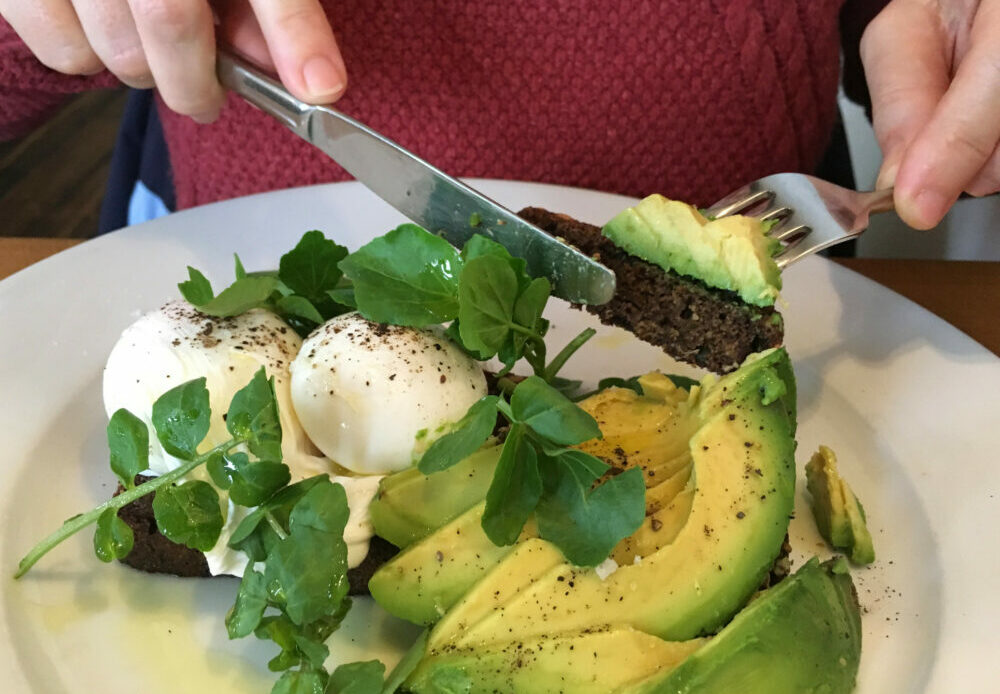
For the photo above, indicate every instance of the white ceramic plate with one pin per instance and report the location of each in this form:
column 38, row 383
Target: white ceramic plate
column 911, row 405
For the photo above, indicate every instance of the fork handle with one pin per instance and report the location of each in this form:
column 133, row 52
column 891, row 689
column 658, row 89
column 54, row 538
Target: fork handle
column 879, row 201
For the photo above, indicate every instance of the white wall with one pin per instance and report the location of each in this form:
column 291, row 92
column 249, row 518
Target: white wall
column 971, row 231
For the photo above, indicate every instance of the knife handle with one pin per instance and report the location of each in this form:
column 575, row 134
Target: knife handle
column 262, row 91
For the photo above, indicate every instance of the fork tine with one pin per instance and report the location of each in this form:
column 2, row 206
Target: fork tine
column 779, row 213
column 743, row 203
column 793, row 234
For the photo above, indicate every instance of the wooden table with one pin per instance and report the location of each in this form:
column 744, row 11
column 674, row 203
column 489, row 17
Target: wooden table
column 966, row 294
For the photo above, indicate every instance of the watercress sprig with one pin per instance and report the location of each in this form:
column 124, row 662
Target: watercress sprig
column 539, row 472
column 412, row 277
column 305, row 291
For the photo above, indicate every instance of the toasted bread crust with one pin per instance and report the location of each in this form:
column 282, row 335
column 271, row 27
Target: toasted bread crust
column 707, row 327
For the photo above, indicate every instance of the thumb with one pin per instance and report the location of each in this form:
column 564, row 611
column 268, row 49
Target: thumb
column 905, row 52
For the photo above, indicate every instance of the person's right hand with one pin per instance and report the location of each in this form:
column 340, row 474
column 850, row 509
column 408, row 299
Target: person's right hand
column 170, row 44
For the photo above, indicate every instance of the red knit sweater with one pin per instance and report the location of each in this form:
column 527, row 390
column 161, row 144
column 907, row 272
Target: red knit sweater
column 685, row 98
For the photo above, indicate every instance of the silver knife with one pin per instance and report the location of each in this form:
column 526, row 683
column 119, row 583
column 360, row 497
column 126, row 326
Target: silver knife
column 425, row 194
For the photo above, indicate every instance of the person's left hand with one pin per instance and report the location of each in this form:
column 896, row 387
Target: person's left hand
column 933, row 68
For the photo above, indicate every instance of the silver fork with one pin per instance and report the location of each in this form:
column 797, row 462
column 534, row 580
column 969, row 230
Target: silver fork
column 812, row 214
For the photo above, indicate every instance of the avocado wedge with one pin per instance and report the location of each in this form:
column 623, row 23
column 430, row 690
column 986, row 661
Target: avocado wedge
column 742, row 456
column 803, row 635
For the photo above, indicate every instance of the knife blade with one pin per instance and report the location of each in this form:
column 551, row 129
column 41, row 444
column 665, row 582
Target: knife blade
column 439, row 203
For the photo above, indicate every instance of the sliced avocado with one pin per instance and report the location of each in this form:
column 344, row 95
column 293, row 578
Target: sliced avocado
column 803, row 635
column 744, row 477
column 732, row 253
column 424, row 580
column 410, row 505
column 588, row 662
column 838, row 513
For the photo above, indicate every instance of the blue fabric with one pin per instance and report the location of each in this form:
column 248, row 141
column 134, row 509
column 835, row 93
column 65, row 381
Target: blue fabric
column 140, row 185
column 145, row 205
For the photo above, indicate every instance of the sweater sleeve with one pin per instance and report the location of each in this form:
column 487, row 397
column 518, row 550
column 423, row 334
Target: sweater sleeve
column 29, row 91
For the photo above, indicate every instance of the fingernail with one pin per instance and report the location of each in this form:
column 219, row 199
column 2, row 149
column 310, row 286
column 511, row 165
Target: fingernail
column 322, row 78
column 931, row 205
column 887, row 176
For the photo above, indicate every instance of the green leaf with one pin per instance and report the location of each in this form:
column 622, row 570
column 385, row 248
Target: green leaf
column 253, row 417
column 251, row 601
column 629, row 383
column 249, row 292
column 530, row 305
column 514, row 491
column 315, row 652
column 300, row 682
column 295, row 306
column 587, row 523
column 309, row 566
column 181, row 418
column 255, row 537
column 449, row 680
column 128, row 440
column 310, row 269
column 189, row 514
column 197, row 290
column 468, row 434
column 478, row 245
column 279, row 629
column 486, row 293
column 221, row 469
column 344, row 296
column 239, row 270
column 551, row 414
column 407, row 277
column 357, row 678
column 407, row 664
column 113, row 537
column 254, row 483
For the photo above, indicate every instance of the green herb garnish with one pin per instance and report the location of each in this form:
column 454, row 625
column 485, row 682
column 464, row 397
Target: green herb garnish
column 305, row 290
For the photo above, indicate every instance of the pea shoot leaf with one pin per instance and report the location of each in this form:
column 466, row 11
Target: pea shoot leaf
column 222, row 470
column 189, row 514
column 487, row 291
column 113, row 538
column 254, row 536
column 253, row 417
column 252, row 291
column 308, row 567
column 298, row 307
column 196, row 290
column 465, row 438
column 128, row 441
column 255, row 482
column 310, row 269
column 551, row 414
column 586, row 522
column 300, row 682
column 514, row 491
column 238, row 268
column 251, row 601
column 357, row 678
column 181, row 418
column 407, row 277
column 313, row 651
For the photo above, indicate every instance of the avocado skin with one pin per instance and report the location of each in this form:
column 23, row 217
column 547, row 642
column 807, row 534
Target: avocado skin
column 803, row 635
column 410, row 505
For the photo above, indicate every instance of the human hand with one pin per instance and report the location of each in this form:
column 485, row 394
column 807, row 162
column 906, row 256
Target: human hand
column 933, row 68
column 171, row 44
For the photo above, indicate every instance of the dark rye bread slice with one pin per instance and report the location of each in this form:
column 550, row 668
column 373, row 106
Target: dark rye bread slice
column 710, row 328
column 154, row 553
